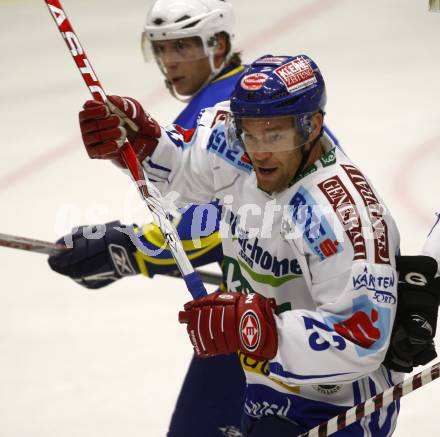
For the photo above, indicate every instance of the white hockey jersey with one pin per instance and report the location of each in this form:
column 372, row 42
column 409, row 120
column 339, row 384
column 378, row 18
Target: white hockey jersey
column 432, row 243
column 324, row 248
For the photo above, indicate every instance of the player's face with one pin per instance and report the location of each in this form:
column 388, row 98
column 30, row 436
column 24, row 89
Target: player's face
column 184, row 63
column 272, row 146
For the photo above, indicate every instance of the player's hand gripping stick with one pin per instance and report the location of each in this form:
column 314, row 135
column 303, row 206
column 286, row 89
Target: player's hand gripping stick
column 149, row 193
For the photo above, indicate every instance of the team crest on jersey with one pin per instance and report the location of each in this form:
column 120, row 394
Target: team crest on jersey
column 250, row 330
column 296, row 74
column 253, row 82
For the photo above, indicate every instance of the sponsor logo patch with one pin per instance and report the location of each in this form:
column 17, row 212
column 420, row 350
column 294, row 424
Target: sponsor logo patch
column 360, row 329
column 270, row 406
column 329, row 158
column 316, row 230
column 377, row 283
column 296, row 74
column 250, row 330
column 253, row 82
column 368, row 328
column 375, row 212
column 327, row 389
column 220, row 115
column 345, row 208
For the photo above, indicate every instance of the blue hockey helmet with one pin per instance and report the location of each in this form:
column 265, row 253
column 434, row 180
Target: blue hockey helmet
column 277, row 86
column 273, row 87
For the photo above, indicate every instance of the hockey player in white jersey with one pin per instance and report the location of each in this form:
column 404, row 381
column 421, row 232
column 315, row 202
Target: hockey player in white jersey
column 309, row 249
column 432, row 245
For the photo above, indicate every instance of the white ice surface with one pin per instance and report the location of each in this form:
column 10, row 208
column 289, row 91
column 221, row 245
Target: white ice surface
column 109, row 363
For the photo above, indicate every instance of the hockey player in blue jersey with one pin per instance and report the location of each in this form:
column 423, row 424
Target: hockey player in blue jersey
column 192, row 43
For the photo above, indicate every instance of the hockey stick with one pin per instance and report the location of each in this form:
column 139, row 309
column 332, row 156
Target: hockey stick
column 149, row 193
column 375, row 403
column 31, row 245
column 49, row 248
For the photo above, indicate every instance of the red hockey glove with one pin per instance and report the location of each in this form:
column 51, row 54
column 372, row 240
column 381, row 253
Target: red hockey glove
column 223, row 323
column 104, row 127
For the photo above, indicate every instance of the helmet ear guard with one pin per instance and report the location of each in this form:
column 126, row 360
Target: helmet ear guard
column 305, row 125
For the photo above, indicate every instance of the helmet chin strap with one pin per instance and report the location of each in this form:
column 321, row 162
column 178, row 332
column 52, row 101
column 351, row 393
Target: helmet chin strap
column 214, row 72
column 173, row 92
column 186, row 99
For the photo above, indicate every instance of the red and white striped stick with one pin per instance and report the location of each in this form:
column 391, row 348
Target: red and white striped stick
column 375, row 403
column 149, row 193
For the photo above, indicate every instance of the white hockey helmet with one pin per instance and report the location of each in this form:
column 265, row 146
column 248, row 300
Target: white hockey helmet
column 179, row 19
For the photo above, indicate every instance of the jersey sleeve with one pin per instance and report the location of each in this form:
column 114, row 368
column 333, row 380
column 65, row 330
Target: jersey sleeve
column 432, row 243
column 346, row 241
column 202, row 245
column 181, row 166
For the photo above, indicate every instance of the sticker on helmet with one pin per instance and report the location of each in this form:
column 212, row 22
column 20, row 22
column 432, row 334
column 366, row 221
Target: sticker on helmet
column 250, row 331
column 296, row 74
column 277, row 60
column 253, row 82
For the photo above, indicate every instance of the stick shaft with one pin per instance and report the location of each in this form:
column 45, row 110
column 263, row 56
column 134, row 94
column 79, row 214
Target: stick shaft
column 148, row 192
column 31, row 244
column 375, row 403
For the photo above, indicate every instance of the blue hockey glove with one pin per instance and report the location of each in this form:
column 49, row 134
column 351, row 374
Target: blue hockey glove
column 96, row 262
